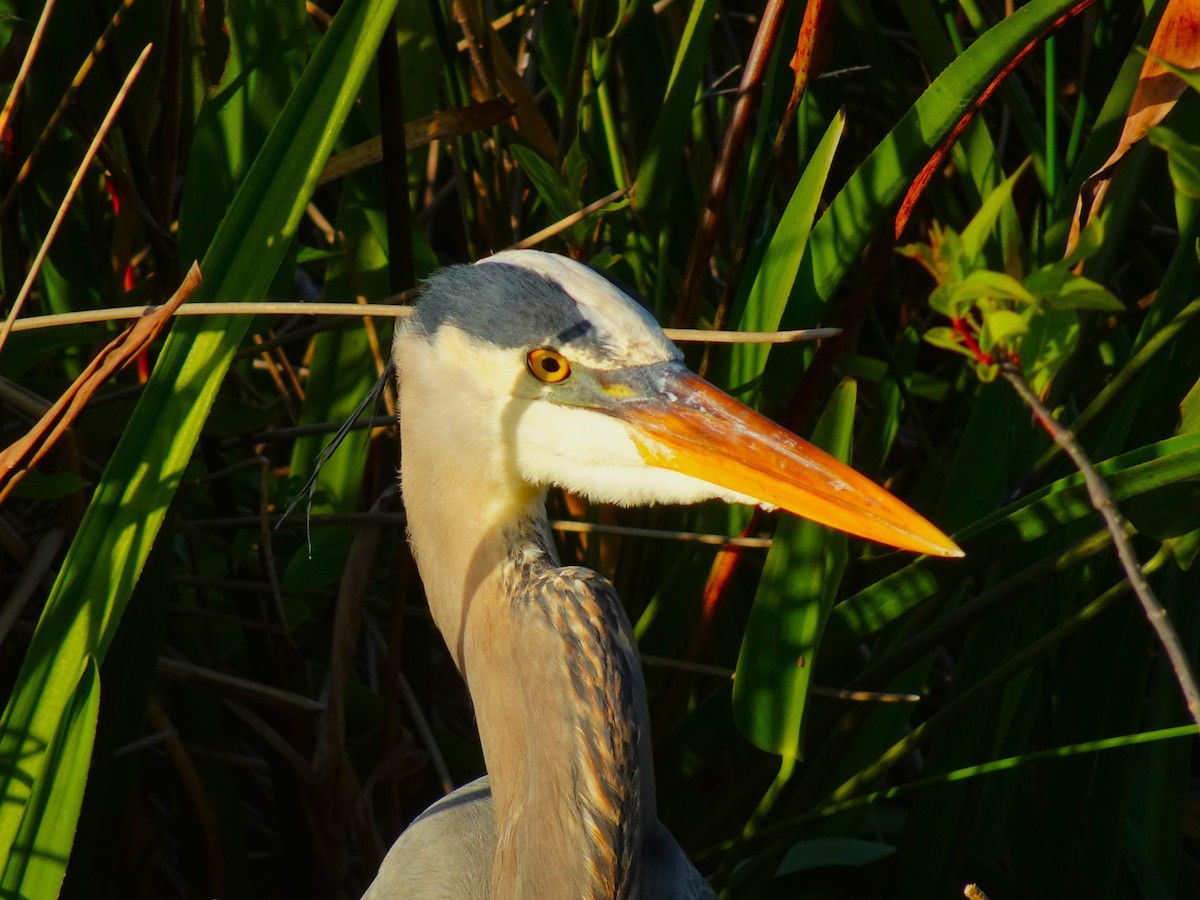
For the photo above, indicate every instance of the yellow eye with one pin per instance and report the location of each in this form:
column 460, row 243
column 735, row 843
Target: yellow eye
column 549, row 365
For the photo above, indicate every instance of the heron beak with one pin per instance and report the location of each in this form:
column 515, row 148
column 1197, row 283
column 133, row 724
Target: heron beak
column 679, row 421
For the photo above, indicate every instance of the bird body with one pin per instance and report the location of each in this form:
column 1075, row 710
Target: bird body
column 526, row 371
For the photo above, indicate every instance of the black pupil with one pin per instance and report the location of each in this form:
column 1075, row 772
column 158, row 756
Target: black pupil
column 550, row 364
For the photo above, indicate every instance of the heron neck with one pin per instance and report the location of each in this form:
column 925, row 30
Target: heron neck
column 562, row 719
column 551, row 665
column 548, row 657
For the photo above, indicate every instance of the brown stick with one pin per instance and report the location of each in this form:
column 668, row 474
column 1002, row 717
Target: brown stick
column 735, row 136
column 1103, row 502
column 24, row 454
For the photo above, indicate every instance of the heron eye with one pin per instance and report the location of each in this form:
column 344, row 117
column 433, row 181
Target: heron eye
column 549, row 365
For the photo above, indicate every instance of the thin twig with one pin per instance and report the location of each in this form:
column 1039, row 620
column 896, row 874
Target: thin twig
column 101, row 132
column 565, row 223
column 68, row 98
column 26, row 64
column 1103, row 502
column 695, row 668
column 382, row 310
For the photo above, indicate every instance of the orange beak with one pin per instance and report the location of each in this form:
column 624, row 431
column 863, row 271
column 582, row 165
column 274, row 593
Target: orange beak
column 681, row 422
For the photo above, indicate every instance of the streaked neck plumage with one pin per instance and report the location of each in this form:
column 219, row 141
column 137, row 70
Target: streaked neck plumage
column 547, row 653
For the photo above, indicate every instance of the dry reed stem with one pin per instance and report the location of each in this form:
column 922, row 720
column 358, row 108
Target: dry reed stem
column 384, row 310
column 64, row 104
column 26, row 64
column 101, row 132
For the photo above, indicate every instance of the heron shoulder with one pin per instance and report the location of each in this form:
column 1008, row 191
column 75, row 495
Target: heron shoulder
column 445, row 853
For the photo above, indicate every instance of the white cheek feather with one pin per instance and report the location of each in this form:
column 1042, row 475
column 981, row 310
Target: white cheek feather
column 468, row 394
column 592, row 454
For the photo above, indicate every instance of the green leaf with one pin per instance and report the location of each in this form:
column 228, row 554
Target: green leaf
column 978, row 232
column 1083, row 293
column 129, row 504
column 777, row 273
column 1047, row 281
column 948, row 339
column 660, row 166
column 1091, row 239
column 867, row 200
column 1000, row 535
column 1003, row 326
column 1183, row 160
column 943, row 301
column 1189, row 411
column 38, row 860
column 798, row 586
column 983, row 283
column 821, row 852
column 986, row 372
column 547, row 180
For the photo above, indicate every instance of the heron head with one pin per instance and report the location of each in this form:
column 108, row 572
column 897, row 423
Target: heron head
column 551, row 371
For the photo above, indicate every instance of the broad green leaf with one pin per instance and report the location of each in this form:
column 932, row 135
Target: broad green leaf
column 129, row 504
column 1048, row 280
column 781, row 261
column 1083, row 293
column 36, row 865
column 986, row 283
column 947, row 339
column 1002, row 326
column 799, row 583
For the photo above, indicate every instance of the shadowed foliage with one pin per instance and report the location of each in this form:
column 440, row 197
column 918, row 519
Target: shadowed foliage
column 202, row 698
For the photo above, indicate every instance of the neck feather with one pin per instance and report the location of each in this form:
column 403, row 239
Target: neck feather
column 550, row 662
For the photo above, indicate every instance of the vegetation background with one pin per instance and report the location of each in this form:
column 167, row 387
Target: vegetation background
column 203, row 699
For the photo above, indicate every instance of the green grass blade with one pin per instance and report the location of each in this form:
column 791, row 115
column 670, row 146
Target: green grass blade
column 799, row 582
column 660, row 166
column 777, row 273
column 1064, row 502
column 130, row 503
column 38, row 861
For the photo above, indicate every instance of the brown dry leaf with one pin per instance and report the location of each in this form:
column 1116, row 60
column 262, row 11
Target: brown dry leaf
column 1177, row 40
column 25, row 453
column 812, row 44
column 450, row 123
column 493, row 71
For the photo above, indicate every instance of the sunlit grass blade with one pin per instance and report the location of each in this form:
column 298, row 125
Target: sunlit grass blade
column 131, row 501
column 1138, row 472
column 764, row 307
column 38, row 859
column 798, row 586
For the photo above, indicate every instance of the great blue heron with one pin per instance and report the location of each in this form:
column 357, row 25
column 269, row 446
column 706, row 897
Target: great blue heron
column 520, row 372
